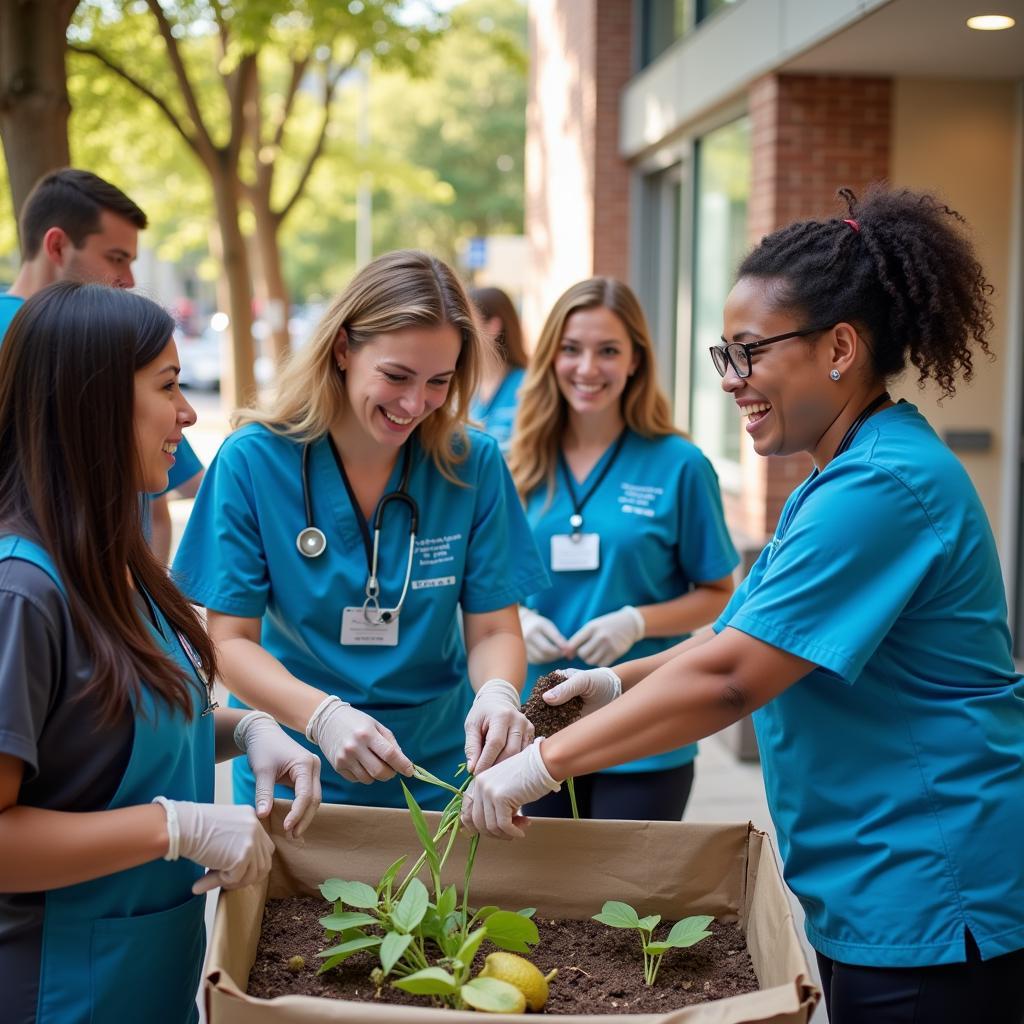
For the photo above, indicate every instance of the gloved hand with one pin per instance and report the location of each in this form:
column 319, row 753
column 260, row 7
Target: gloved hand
column 608, row 637
column 543, row 641
column 358, row 747
column 227, row 838
column 275, row 757
column 597, row 687
column 493, row 800
column 495, row 727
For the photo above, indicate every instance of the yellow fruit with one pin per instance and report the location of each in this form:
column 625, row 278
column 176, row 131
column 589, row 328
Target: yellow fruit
column 518, row 971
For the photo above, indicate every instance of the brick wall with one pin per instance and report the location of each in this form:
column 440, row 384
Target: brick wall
column 577, row 185
column 614, row 61
column 810, row 135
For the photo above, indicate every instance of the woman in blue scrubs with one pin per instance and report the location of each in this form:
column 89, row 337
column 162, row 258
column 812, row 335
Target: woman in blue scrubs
column 501, row 376
column 630, row 515
column 107, row 740
column 338, row 533
column 870, row 636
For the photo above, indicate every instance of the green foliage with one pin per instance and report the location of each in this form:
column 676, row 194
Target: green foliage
column 427, row 940
column 684, row 933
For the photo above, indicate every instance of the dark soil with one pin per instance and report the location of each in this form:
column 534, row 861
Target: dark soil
column 547, row 719
column 600, row 969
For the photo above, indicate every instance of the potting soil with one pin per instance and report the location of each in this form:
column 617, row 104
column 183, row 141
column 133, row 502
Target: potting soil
column 600, row 969
column 546, row 718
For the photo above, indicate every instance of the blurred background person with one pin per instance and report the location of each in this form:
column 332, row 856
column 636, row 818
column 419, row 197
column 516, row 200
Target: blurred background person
column 502, row 374
column 629, row 514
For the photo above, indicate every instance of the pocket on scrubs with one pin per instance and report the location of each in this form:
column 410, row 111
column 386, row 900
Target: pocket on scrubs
column 148, row 967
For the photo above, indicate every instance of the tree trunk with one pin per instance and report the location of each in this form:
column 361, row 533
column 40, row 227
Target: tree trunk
column 239, row 384
column 276, row 293
column 34, row 105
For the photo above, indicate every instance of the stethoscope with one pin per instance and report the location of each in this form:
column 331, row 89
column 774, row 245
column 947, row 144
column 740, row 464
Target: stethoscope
column 312, row 542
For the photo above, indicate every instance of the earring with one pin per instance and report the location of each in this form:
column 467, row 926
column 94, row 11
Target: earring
column 834, row 374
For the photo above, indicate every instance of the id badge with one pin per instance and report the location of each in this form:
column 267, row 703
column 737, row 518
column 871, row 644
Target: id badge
column 575, row 552
column 357, row 631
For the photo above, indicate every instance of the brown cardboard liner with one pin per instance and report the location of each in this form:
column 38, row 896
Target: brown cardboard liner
column 564, row 869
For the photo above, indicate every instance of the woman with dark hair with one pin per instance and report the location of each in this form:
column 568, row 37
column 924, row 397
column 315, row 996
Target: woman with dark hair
column 502, row 373
column 107, row 740
column 870, row 636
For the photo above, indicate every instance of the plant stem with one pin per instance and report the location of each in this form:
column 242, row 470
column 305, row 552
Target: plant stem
column 470, row 860
column 571, row 786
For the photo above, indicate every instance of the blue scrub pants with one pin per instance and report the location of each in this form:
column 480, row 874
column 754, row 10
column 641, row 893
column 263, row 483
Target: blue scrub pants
column 630, row 796
column 989, row 991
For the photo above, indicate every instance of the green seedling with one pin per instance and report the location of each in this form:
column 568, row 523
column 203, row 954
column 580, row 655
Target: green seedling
column 428, row 937
column 684, row 934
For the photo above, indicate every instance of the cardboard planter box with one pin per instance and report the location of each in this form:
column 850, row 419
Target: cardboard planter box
column 565, row 869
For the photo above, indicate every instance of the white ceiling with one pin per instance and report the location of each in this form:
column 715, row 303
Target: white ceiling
column 915, row 38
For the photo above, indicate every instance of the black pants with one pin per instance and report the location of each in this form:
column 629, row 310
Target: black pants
column 634, row 796
column 975, row 992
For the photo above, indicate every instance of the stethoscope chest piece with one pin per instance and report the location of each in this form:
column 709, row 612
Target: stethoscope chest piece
column 311, row 542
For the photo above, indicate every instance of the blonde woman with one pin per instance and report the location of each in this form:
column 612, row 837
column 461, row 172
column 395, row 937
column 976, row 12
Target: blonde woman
column 494, row 404
column 629, row 514
column 339, row 531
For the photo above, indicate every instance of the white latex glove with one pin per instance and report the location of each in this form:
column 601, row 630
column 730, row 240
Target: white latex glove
column 608, row 637
column 227, row 838
column 495, row 727
column 358, row 747
column 275, row 757
column 597, row 687
column 492, row 802
column 543, row 641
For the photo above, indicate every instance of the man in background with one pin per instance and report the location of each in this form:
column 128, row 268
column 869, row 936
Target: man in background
column 77, row 227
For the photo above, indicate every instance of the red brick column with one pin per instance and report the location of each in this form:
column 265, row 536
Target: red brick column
column 810, row 135
column 613, row 60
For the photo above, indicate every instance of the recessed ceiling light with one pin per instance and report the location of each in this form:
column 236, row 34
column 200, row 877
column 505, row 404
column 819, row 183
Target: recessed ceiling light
column 990, row 22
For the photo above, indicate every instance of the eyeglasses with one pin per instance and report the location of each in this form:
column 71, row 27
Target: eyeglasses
column 737, row 353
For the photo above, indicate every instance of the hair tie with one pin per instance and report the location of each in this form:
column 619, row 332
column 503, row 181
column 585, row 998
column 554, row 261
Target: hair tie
column 853, row 224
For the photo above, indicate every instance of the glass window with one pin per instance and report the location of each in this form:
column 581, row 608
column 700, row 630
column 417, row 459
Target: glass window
column 705, row 8
column 662, row 22
column 721, row 194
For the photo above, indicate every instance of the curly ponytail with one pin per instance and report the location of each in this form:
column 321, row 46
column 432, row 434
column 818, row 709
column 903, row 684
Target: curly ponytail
column 897, row 266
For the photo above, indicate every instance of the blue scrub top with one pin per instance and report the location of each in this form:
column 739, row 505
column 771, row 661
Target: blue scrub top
column 497, row 415
column 659, row 515
column 895, row 770
column 9, row 305
column 473, row 551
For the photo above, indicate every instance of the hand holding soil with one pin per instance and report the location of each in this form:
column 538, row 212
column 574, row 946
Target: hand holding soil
column 547, row 719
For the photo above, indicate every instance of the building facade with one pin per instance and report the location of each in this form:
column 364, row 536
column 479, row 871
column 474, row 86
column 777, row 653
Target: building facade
column 665, row 137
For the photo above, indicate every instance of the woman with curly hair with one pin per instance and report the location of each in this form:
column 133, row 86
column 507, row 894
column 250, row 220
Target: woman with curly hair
column 870, row 637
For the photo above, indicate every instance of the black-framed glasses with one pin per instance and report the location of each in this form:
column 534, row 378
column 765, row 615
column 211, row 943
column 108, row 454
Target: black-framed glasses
column 737, row 353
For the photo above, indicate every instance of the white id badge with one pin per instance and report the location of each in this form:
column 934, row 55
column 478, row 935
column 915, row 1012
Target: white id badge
column 575, row 552
column 356, row 631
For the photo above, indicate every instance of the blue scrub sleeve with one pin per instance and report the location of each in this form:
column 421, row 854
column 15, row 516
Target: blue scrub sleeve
column 502, row 564
column 849, row 564
column 221, row 562
column 705, row 549
column 186, row 465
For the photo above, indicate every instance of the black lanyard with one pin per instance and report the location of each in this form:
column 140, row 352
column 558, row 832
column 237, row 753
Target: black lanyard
column 851, row 431
column 364, row 526
column 576, row 519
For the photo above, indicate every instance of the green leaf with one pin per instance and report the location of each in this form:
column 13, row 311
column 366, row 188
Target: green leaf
column 511, row 931
column 422, row 831
column 338, row 954
column 650, row 922
column 431, row 927
column 527, row 911
column 389, row 876
column 448, row 901
column 431, row 981
column 355, row 894
column 411, row 907
column 392, row 948
column 689, row 931
column 492, row 995
column 484, row 912
column 618, row 915
column 657, row 948
column 468, row 949
column 346, row 919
